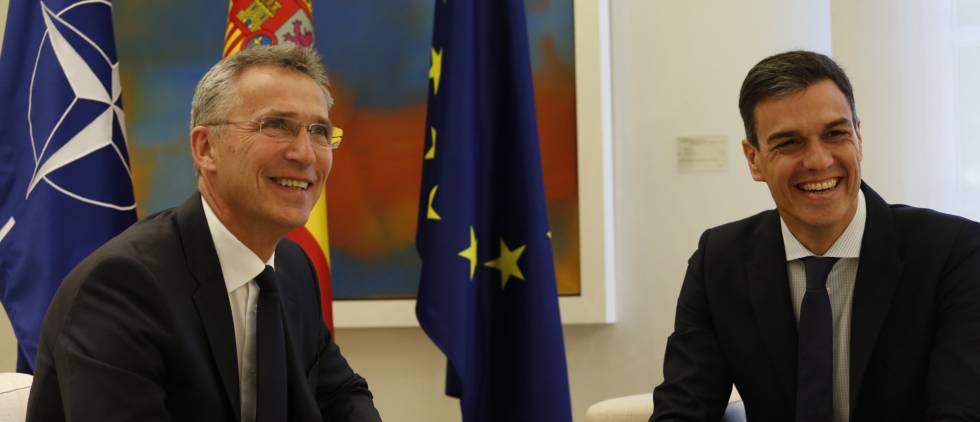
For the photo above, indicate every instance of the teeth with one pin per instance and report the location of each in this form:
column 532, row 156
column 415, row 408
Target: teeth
column 292, row 183
column 818, row 186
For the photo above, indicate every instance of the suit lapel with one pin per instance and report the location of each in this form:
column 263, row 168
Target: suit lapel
column 879, row 272
column 768, row 287
column 211, row 297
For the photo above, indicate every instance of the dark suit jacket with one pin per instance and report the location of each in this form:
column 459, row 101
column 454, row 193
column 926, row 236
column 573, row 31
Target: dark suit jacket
column 142, row 330
column 915, row 325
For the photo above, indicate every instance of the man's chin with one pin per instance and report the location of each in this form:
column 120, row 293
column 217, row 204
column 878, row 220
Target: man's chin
column 291, row 222
column 830, row 220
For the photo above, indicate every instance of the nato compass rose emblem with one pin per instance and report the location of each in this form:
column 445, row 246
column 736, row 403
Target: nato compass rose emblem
column 75, row 115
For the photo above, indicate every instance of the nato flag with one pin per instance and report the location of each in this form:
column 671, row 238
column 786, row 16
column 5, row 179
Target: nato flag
column 65, row 182
column 487, row 295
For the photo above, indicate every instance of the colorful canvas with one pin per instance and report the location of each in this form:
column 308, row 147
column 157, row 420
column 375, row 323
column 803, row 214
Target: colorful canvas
column 378, row 55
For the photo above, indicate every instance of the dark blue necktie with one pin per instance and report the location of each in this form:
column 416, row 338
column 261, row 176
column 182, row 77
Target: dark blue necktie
column 815, row 363
column 270, row 382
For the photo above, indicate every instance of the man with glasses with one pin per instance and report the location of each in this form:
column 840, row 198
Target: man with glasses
column 205, row 311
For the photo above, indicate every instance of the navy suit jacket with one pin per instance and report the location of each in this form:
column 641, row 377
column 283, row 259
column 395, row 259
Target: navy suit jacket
column 142, row 330
column 915, row 324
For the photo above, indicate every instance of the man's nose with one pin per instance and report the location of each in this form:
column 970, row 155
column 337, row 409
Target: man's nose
column 301, row 149
column 817, row 155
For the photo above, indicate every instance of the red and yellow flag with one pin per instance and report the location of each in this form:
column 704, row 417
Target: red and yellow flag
column 268, row 22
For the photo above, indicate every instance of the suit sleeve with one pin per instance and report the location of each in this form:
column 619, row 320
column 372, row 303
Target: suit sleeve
column 341, row 394
column 954, row 366
column 697, row 378
column 107, row 360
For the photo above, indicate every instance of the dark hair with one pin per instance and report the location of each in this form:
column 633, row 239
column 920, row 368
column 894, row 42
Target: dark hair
column 784, row 74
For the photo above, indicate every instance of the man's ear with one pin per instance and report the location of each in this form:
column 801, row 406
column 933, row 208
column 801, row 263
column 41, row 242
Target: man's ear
column 202, row 148
column 752, row 156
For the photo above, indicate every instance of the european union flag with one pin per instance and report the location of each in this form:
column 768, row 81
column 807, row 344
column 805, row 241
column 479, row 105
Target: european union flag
column 65, row 182
column 487, row 295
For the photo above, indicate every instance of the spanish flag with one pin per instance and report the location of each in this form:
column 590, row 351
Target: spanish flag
column 268, row 22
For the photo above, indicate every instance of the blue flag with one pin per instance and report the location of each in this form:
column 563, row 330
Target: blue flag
column 65, row 182
column 487, row 295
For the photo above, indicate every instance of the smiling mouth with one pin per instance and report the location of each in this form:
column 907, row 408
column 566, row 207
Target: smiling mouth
column 819, row 187
column 292, row 183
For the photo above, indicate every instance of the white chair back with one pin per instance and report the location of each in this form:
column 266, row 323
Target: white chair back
column 638, row 408
column 14, row 390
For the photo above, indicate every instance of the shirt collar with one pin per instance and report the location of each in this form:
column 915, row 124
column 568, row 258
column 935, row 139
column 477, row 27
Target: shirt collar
column 239, row 264
column 848, row 245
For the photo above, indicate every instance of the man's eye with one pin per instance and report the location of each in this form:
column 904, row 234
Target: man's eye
column 275, row 123
column 788, row 143
column 319, row 130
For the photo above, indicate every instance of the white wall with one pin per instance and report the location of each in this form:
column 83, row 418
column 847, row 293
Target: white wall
column 3, row 18
column 677, row 68
column 900, row 63
column 8, row 345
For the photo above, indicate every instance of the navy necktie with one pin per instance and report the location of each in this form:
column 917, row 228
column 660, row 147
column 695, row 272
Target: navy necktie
column 270, row 383
column 815, row 363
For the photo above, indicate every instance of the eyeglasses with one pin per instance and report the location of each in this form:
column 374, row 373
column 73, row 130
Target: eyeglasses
column 284, row 129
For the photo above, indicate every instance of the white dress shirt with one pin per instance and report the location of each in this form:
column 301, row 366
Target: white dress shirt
column 840, row 287
column 239, row 267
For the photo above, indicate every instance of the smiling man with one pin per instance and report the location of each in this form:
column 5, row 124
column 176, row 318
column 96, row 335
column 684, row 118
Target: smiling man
column 204, row 312
column 835, row 306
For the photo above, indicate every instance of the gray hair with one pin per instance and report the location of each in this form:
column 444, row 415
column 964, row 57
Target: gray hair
column 214, row 92
column 788, row 73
